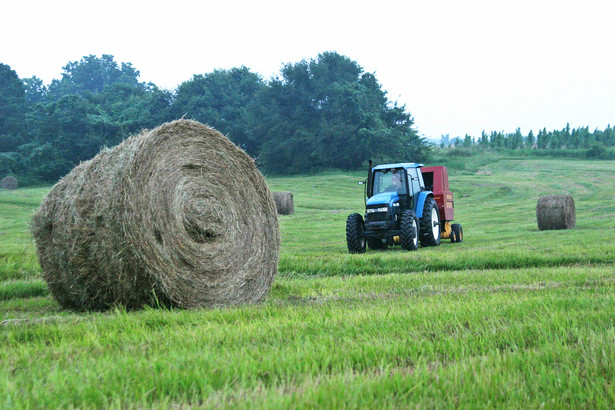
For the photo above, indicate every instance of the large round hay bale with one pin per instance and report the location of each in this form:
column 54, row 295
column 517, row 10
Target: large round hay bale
column 284, row 202
column 9, row 182
column 177, row 216
column 555, row 212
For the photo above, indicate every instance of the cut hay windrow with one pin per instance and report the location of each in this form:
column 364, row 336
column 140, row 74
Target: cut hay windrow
column 177, row 216
column 555, row 212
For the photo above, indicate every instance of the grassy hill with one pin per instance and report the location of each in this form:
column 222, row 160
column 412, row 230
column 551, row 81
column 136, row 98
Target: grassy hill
column 512, row 317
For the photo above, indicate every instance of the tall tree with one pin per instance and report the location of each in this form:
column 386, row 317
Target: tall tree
column 328, row 112
column 72, row 125
column 128, row 109
column 36, row 90
column 530, row 140
column 516, row 139
column 96, row 103
column 91, row 75
column 12, row 102
column 224, row 99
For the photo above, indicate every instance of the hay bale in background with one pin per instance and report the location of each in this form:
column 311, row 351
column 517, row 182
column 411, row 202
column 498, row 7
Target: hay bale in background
column 555, row 212
column 177, row 216
column 9, row 183
column 284, row 202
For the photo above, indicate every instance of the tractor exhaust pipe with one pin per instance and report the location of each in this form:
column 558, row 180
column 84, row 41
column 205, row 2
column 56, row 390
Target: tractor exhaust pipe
column 369, row 178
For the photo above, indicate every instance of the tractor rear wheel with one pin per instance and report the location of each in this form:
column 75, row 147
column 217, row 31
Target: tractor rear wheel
column 457, row 235
column 354, row 233
column 430, row 224
column 409, row 231
column 375, row 243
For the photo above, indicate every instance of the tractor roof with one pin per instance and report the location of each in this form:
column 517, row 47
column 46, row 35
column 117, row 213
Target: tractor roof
column 404, row 165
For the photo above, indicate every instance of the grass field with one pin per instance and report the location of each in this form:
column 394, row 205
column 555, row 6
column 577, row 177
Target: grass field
column 512, row 317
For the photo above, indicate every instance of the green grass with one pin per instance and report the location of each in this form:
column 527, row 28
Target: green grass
column 512, row 317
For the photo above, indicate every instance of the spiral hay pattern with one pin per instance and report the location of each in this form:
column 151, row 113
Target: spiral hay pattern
column 555, row 212
column 177, row 216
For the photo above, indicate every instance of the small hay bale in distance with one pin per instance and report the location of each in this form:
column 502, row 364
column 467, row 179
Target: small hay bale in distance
column 284, row 202
column 555, row 212
column 9, row 182
column 177, row 216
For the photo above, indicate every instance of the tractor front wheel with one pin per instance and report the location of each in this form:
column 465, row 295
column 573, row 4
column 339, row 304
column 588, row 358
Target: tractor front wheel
column 430, row 224
column 409, row 231
column 354, row 233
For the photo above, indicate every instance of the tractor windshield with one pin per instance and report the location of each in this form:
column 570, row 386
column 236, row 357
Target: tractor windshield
column 389, row 180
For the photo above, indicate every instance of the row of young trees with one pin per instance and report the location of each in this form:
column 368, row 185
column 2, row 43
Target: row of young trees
column 321, row 113
column 565, row 139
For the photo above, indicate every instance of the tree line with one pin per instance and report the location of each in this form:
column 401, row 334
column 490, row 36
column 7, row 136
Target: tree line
column 565, row 142
column 321, row 113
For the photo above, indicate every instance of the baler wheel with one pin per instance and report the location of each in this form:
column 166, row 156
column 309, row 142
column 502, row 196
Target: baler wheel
column 457, row 234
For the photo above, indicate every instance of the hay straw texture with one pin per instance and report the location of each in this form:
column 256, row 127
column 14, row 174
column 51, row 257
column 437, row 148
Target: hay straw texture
column 555, row 212
column 284, row 202
column 9, row 183
column 177, row 216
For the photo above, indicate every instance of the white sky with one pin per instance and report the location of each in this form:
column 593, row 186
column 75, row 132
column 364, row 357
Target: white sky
column 459, row 66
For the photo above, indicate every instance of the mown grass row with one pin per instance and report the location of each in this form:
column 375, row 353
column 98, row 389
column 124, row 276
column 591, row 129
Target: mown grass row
column 17, row 254
column 515, row 337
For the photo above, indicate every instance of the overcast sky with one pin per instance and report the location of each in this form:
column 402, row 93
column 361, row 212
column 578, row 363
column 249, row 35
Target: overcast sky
column 458, row 66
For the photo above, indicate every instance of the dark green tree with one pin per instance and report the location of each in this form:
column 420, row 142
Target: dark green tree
column 516, row 139
column 530, row 140
column 225, row 100
column 68, row 131
column 12, row 102
column 36, row 90
column 327, row 112
column 126, row 109
column 96, row 103
column 91, row 75
column 484, row 140
column 543, row 139
column 496, row 140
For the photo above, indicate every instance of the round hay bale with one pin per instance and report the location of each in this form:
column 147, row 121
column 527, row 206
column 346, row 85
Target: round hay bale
column 284, row 202
column 9, row 183
column 555, row 212
column 177, row 216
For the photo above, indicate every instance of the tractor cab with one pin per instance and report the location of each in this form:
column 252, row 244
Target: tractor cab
column 403, row 179
column 391, row 190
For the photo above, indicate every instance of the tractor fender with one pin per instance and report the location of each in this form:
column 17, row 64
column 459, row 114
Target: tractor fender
column 420, row 202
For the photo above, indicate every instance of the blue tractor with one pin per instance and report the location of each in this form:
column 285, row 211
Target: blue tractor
column 405, row 204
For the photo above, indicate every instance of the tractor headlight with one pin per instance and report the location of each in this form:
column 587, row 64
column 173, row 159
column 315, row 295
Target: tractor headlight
column 372, row 210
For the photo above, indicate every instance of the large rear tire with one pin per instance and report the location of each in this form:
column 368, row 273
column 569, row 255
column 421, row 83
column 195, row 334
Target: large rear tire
column 430, row 224
column 354, row 233
column 409, row 231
